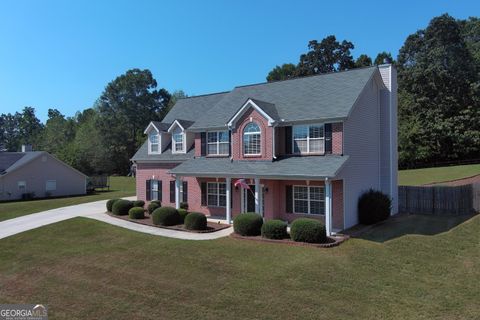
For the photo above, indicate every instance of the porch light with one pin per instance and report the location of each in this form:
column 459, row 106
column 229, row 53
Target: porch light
column 266, row 189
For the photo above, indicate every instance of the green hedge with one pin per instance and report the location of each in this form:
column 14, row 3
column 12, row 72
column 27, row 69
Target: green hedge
column 110, row 204
column 153, row 205
column 308, row 230
column 121, row 207
column 184, row 205
column 195, row 221
column 373, row 207
column 248, row 224
column 183, row 213
column 274, row 229
column 139, row 203
column 136, row 213
column 166, row 216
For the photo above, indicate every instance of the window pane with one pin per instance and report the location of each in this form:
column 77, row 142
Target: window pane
column 223, row 148
column 316, row 145
column 212, row 188
column 222, row 188
column 300, row 132
column 154, row 148
column 316, row 193
column 316, row 131
column 223, row 136
column 316, row 207
column 252, row 128
column 301, row 206
column 212, row 200
column 153, row 138
column 300, row 146
column 300, row 192
column 223, row 201
column 251, row 144
column 212, row 137
column 212, row 148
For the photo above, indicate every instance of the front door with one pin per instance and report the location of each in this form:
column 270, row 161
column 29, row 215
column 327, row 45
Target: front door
column 248, row 199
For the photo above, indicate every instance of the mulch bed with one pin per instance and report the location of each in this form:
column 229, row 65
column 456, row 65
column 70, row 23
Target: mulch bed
column 333, row 241
column 211, row 226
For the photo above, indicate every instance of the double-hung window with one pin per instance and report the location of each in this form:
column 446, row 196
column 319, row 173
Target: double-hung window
column 251, row 139
column 309, row 199
column 154, row 142
column 178, row 142
column 309, row 139
column 218, row 143
column 216, row 194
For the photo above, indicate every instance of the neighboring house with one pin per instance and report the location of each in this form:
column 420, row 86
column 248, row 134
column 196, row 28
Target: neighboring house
column 39, row 174
column 308, row 147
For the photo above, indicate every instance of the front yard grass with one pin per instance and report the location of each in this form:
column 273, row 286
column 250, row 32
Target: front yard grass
column 417, row 177
column 85, row 269
column 119, row 187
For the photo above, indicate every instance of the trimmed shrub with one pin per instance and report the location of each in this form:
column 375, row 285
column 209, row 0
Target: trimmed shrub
column 248, row 224
column 139, row 203
column 183, row 213
column 152, row 206
column 196, row 221
column 308, row 230
column 121, row 207
column 274, row 229
column 373, row 206
column 136, row 213
column 166, row 216
column 110, row 204
column 184, row 205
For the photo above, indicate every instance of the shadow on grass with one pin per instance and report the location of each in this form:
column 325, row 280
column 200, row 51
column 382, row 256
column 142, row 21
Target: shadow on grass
column 408, row 224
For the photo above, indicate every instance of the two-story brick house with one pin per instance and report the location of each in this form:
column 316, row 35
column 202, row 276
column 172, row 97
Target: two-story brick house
column 307, row 147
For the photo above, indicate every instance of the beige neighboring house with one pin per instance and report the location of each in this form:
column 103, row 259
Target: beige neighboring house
column 37, row 174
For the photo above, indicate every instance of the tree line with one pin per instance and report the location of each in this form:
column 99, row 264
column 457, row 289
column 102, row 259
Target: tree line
column 438, row 109
column 439, row 87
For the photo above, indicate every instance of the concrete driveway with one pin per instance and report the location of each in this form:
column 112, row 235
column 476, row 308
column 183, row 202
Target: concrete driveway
column 96, row 210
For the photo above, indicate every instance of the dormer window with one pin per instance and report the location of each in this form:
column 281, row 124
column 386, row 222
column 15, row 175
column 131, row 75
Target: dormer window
column 153, row 143
column 178, row 141
column 251, row 139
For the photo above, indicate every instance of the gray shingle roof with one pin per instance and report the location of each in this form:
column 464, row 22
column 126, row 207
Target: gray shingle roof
column 269, row 108
column 161, row 126
column 288, row 168
column 325, row 96
column 192, row 108
column 10, row 161
column 165, row 156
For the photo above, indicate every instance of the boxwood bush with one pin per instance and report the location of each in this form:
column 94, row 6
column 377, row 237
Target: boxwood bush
column 184, row 205
column 196, row 221
column 138, row 203
column 248, row 224
column 183, row 213
column 136, row 213
column 153, row 205
column 110, row 204
column 274, row 229
column 308, row 230
column 166, row 216
column 373, row 206
column 121, row 207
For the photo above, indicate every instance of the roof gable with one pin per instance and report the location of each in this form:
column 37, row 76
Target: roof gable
column 267, row 110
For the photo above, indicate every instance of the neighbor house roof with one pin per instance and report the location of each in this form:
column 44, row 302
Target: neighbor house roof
column 287, row 168
column 326, row 96
column 166, row 156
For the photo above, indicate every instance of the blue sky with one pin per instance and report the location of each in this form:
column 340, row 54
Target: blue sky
column 61, row 54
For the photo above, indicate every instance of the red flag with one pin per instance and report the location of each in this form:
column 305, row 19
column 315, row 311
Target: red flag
column 242, row 184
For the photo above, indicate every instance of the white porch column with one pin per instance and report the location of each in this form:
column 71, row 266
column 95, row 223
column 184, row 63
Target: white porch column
column 328, row 206
column 257, row 195
column 228, row 192
column 177, row 192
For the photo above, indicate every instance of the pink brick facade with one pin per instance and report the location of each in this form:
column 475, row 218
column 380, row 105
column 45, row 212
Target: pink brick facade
column 337, row 138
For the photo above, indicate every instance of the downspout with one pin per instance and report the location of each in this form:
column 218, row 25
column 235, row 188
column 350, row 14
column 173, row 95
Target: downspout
column 273, row 143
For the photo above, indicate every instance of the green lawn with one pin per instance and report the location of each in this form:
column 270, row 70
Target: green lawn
column 418, row 177
column 85, row 269
column 119, row 187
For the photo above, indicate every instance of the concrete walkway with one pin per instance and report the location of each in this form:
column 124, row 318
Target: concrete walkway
column 96, row 210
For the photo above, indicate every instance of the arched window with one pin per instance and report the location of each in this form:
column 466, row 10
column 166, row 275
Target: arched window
column 251, row 139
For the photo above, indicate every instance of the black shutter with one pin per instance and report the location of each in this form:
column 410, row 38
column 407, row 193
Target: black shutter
column 160, row 190
column 204, row 193
column 328, row 138
column 185, row 191
column 229, row 142
column 288, row 198
column 172, row 191
column 203, row 144
column 148, row 190
column 288, row 140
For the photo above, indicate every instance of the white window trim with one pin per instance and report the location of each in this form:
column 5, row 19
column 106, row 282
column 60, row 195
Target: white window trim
column 308, row 200
column 308, row 138
column 24, row 183
column 46, row 183
column 159, row 136
column 252, row 133
column 217, row 194
column 218, row 143
column 184, row 138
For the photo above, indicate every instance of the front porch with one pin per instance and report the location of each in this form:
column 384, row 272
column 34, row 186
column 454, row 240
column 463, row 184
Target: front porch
column 286, row 200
